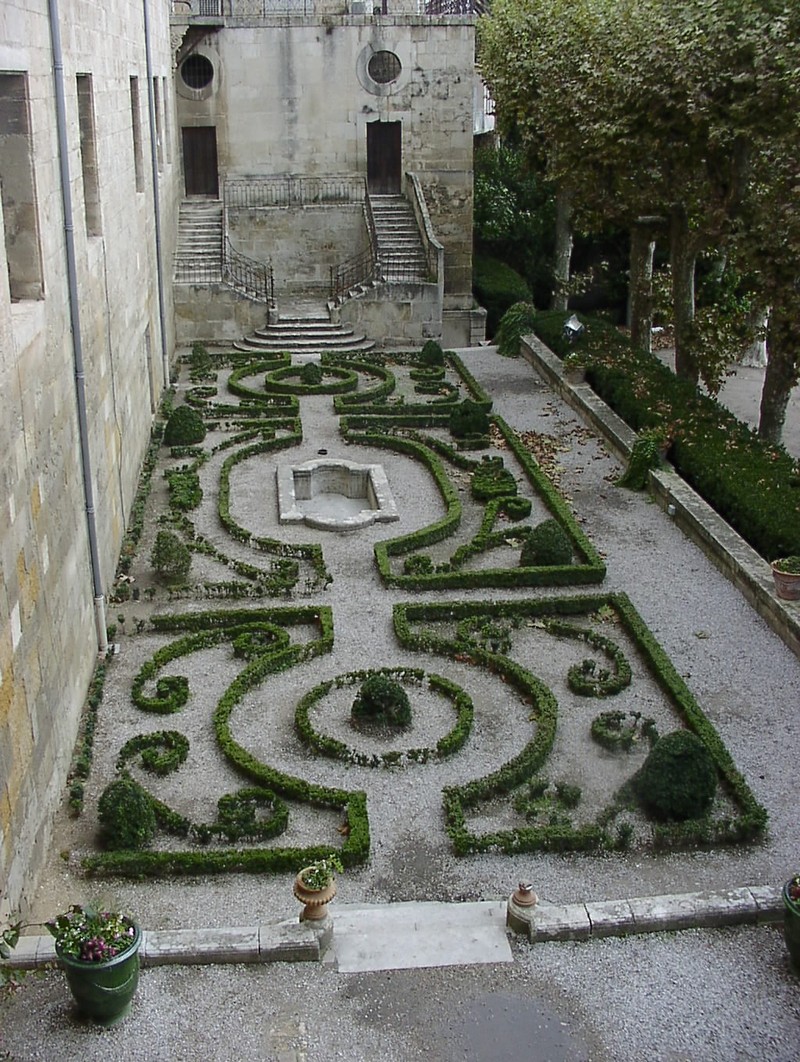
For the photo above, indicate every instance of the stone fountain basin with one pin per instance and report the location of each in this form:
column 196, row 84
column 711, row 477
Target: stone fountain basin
column 334, row 495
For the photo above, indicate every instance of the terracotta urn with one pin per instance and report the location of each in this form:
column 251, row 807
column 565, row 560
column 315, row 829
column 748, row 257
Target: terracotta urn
column 314, row 900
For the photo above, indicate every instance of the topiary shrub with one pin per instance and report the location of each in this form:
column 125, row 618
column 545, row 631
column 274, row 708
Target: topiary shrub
column 491, row 479
column 184, row 427
column 170, row 557
column 311, row 373
column 126, row 814
column 467, row 418
column 382, row 699
column 678, row 779
column 547, row 545
column 518, row 321
column 432, row 354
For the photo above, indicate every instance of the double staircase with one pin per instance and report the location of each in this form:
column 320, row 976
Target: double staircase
column 401, row 254
column 198, row 255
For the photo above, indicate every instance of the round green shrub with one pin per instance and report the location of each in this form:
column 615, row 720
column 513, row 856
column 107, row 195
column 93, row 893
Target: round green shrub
column 468, row 418
column 432, row 354
column 516, row 507
column 382, row 699
column 418, row 564
column 548, row 544
column 126, row 814
column 184, row 427
column 311, row 373
column 170, row 557
column 678, row 779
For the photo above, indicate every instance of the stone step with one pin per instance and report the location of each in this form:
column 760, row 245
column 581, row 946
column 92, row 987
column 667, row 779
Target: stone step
column 287, row 331
column 297, row 346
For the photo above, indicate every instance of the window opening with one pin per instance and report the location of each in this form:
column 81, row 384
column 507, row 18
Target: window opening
column 136, row 126
column 91, row 185
column 197, row 71
column 159, row 129
column 18, row 191
column 384, row 67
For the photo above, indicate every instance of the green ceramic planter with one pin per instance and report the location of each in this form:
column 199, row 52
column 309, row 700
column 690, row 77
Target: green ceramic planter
column 103, row 990
column 791, row 927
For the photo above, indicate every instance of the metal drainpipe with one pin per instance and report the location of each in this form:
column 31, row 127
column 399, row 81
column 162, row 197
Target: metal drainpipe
column 151, row 109
column 75, row 324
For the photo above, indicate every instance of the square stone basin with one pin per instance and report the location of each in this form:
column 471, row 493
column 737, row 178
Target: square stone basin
column 334, row 495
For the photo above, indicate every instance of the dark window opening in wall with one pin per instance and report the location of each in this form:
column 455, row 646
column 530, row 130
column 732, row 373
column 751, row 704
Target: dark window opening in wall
column 167, row 125
column 91, row 185
column 197, row 71
column 136, row 128
column 159, row 129
column 18, row 191
column 384, row 67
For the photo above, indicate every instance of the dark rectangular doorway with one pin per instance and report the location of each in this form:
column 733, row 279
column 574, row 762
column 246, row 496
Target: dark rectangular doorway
column 384, row 163
column 200, row 160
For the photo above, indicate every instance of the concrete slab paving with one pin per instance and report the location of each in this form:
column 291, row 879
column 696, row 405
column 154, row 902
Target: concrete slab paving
column 404, row 936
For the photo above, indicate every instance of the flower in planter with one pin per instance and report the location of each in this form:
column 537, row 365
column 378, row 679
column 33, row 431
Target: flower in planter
column 91, row 936
column 787, row 565
column 319, row 874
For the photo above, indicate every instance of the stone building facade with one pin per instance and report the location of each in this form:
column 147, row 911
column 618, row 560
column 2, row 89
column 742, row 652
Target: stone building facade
column 86, row 330
column 325, row 91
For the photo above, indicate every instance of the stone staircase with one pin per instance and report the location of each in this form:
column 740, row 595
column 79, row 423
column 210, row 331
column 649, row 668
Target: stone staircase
column 400, row 249
column 298, row 335
column 198, row 255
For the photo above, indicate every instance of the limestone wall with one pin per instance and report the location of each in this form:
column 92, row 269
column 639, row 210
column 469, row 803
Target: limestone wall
column 304, row 242
column 48, row 638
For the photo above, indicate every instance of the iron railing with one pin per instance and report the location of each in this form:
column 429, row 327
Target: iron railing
column 286, row 191
column 248, row 277
column 253, row 279
column 360, row 269
column 258, row 9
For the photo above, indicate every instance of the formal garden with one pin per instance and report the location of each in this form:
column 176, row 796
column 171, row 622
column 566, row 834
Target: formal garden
column 455, row 682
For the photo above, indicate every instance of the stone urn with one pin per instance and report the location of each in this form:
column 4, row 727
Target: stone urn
column 314, row 887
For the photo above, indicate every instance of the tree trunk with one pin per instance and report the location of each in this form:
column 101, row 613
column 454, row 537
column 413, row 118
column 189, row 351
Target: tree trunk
column 782, row 372
column 755, row 357
column 640, row 289
column 683, row 255
column 563, row 249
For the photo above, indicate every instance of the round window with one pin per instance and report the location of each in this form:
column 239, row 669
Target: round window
column 197, row 71
column 384, row 67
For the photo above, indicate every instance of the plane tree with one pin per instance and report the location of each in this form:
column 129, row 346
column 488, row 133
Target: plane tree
column 648, row 109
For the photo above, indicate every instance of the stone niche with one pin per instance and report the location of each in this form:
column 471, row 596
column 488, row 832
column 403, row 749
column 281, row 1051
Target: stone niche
column 334, row 495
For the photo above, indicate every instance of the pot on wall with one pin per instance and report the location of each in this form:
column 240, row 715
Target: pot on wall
column 786, row 575
column 103, row 991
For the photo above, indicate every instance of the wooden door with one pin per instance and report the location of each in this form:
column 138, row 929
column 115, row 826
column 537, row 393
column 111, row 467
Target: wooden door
column 384, row 158
column 200, row 160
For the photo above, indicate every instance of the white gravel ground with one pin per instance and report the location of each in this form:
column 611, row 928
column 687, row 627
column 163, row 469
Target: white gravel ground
column 698, row 995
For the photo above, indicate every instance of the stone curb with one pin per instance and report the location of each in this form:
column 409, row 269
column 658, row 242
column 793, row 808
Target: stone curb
column 302, row 942
column 281, row 942
column 646, row 914
column 737, row 561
